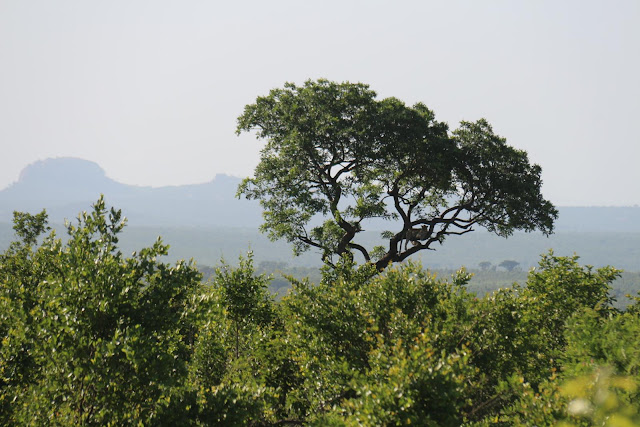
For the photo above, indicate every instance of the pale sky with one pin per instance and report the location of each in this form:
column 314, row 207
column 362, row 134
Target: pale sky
column 150, row 90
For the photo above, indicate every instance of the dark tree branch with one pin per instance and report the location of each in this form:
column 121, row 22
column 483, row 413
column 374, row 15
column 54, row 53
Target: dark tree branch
column 308, row 241
column 362, row 250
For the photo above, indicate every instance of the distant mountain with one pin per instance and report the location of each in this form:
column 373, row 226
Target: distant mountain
column 66, row 186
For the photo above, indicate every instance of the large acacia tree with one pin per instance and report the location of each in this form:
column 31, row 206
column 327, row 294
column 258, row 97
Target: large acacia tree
column 333, row 149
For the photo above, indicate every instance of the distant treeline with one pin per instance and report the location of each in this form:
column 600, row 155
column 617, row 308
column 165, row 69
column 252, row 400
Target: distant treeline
column 209, row 245
column 481, row 283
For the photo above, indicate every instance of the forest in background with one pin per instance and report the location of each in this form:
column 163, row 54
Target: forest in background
column 481, row 282
column 209, row 246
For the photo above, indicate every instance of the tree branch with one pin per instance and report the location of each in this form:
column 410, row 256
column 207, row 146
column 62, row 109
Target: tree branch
column 362, row 250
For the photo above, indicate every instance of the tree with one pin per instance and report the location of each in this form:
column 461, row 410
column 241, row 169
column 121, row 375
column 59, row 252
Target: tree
column 245, row 296
column 484, row 265
column 335, row 150
column 509, row 264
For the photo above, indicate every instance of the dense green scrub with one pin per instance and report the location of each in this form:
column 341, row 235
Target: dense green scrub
column 481, row 282
column 91, row 337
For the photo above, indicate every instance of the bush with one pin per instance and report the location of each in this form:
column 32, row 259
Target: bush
column 89, row 336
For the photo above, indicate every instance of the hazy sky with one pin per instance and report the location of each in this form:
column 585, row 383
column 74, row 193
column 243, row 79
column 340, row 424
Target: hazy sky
column 151, row 90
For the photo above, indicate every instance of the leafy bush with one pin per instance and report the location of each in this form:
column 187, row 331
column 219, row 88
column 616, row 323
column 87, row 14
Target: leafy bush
column 89, row 336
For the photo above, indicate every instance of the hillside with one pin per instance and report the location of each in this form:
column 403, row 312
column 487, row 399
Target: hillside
column 66, row 186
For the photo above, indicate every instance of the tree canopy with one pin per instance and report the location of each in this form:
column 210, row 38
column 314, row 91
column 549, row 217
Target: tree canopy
column 509, row 264
column 335, row 150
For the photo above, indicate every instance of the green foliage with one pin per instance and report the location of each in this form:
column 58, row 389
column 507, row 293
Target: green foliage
column 522, row 329
column 580, row 286
column 543, row 405
column 88, row 336
column 244, row 297
column 594, row 341
column 602, row 367
column 29, row 227
column 518, row 333
column 597, row 400
column 333, row 149
column 635, row 307
column 413, row 385
column 236, row 316
column 597, row 380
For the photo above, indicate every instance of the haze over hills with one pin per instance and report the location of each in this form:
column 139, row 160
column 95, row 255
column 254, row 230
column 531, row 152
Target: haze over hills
column 206, row 222
column 66, row 186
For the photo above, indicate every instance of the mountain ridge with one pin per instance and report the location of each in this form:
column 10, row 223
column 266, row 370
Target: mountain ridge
column 65, row 186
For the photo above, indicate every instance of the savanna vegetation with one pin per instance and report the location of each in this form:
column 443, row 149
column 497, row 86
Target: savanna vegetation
column 92, row 337
column 480, row 282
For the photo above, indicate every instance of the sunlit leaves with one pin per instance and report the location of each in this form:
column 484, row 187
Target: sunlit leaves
column 102, row 339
